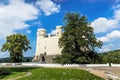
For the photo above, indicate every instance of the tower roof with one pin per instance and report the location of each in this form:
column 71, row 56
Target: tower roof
column 58, row 26
column 41, row 29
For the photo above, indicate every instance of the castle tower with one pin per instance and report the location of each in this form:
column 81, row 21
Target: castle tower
column 58, row 30
column 41, row 34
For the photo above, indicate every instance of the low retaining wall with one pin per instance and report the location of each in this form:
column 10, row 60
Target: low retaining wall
column 37, row 64
column 41, row 65
column 97, row 65
column 65, row 65
column 115, row 65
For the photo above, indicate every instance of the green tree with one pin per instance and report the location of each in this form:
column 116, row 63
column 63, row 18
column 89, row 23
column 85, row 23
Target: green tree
column 78, row 41
column 16, row 44
column 110, row 57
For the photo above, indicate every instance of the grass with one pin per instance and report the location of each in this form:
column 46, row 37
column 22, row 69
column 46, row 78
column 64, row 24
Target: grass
column 15, row 73
column 53, row 74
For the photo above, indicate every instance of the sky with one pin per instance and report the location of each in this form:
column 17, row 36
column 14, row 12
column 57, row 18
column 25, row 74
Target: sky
column 26, row 16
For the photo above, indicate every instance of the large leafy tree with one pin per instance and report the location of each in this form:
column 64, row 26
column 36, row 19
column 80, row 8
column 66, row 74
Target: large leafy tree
column 78, row 41
column 16, row 44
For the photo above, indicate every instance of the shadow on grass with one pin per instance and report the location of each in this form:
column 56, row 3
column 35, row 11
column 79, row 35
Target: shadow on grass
column 16, row 69
column 2, row 76
column 21, row 69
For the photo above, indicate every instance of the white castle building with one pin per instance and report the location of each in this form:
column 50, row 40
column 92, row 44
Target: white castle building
column 47, row 45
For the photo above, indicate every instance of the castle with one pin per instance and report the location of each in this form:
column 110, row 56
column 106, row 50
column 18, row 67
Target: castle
column 47, row 45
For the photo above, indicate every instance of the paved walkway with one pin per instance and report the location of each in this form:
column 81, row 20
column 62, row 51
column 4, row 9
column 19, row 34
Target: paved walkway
column 96, row 72
column 100, row 71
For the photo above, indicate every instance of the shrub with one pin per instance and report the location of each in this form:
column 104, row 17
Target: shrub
column 4, row 71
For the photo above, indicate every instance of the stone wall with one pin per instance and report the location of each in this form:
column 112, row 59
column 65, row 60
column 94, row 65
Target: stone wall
column 49, row 58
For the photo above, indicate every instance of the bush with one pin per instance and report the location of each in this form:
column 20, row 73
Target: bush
column 4, row 71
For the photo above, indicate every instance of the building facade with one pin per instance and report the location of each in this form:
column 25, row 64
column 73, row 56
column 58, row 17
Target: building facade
column 47, row 45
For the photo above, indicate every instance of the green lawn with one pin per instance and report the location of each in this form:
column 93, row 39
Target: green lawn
column 53, row 74
column 15, row 73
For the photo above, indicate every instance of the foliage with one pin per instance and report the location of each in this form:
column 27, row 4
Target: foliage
column 110, row 57
column 7, row 59
column 4, row 60
column 78, row 41
column 53, row 74
column 4, row 71
column 57, row 59
column 16, row 44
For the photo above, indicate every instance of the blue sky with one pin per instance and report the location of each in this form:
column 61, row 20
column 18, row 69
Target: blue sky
column 26, row 16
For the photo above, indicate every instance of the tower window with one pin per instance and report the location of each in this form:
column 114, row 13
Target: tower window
column 45, row 47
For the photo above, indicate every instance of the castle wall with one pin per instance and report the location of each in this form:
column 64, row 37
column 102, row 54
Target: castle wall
column 52, row 45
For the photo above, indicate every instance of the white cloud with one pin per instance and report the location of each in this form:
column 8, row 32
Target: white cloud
column 110, row 46
column 103, row 24
column 110, row 37
column 116, row 7
column 37, row 23
column 48, row 7
column 106, row 48
column 4, row 54
column 117, row 14
column 14, row 15
column 53, row 32
column 111, row 29
column 117, row 1
column 28, row 31
column 59, row 0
